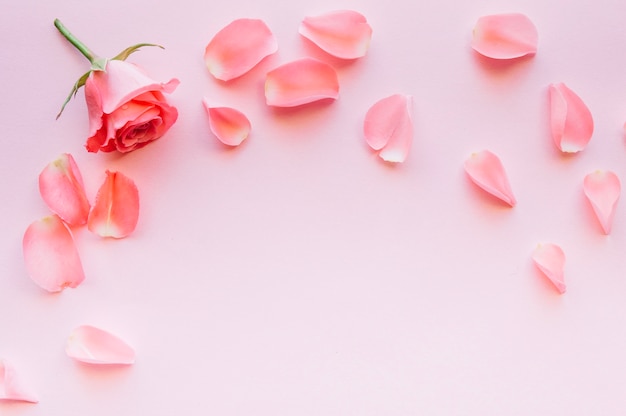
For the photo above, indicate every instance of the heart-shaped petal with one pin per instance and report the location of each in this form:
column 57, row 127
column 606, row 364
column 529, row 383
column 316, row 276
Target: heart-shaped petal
column 603, row 189
column 571, row 122
column 116, row 211
column 388, row 127
column 93, row 345
column 505, row 36
column 61, row 187
column 343, row 33
column 11, row 388
column 50, row 255
column 238, row 48
column 229, row 125
column 486, row 170
column 550, row 259
column 301, row 82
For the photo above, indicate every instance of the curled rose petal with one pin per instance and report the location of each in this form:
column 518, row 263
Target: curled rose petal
column 486, row 170
column 238, row 48
column 301, row 82
column 116, row 210
column 11, row 388
column 343, row 33
column 550, row 259
column 50, row 255
column 603, row 188
column 230, row 126
column 92, row 345
column 388, row 127
column 571, row 122
column 61, row 187
column 505, row 36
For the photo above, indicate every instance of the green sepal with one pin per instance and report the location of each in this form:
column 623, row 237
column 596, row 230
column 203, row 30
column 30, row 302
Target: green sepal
column 99, row 64
column 128, row 51
column 81, row 82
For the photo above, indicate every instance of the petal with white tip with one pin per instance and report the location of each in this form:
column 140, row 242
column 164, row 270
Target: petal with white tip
column 11, row 387
column 550, row 259
column 93, row 345
column 388, row 127
column 571, row 122
column 116, row 210
column 486, row 170
column 505, row 36
column 603, row 189
column 229, row 125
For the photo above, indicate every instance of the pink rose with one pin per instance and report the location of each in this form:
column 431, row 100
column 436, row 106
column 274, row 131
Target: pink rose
column 127, row 109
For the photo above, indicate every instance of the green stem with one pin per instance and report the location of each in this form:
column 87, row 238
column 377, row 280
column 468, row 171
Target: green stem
column 87, row 53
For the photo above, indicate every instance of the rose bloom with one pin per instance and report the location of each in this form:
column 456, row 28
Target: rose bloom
column 127, row 109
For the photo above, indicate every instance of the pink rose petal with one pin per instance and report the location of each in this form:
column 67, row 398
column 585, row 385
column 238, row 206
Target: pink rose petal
column 116, row 211
column 61, row 187
column 343, row 33
column 486, row 170
column 570, row 120
column 11, row 388
column 301, row 82
column 550, row 259
column 603, row 188
column 230, row 126
column 388, row 127
column 50, row 255
column 238, row 48
column 96, row 346
column 505, row 36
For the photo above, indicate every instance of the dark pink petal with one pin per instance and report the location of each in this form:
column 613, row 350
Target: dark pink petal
column 50, row 255
column 550, row 259
column 300, row 82
column 342, row 33
column 238, row 48
column 570, row 120
column 505, row 36
column 96, row 346
column 486, row 170
column 116, row 211
column 603, row 189
column 230, row 126
column 388, row 127
column 11, row 389
column 61, row 187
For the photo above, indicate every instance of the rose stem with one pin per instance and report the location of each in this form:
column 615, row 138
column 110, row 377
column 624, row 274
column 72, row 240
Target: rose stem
column 87, row 53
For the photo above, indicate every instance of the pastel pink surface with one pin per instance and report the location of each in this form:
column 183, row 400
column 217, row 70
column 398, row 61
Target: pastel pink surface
column 603, row 189
column 239, row 47
column 550, row 259
column 342, row 33
column 505, row 36
column 486, row 170
column 11, row 387
column 116, row 210
column 229, row 125
column 388, row 127
column 570, row 120
column 93, row 345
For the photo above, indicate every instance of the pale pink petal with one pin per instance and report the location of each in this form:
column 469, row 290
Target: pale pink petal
column 550, row 259
column 388, row 127
column 300, row 82
column 342, row 33
column 505, row 36
column 238, row 48
column 61, row 187
column 96, row 346
column 11, row 388
column 50, row 255
column 571, row 122
column 603, row 188
column 116, row 211
column 486, row 170
column 229, row 125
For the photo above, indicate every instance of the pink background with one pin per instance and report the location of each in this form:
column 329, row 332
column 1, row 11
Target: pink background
column 298, row 274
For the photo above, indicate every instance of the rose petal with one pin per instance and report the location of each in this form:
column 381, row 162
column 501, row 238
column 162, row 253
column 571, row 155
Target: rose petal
column 388, row 127
column 603, row 188
column 96, row 346
column 61, row 187
column 300, row 82
column 486, row 170
column 10, row 386
column 505, row 36
column 550, row 259
column 238, row 48
column 116, row 211
column 50, row 255
column 570, row 120
column 342, row 33
column 229, row 125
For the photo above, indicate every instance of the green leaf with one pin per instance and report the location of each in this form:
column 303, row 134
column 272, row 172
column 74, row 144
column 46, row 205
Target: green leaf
column 81, row 82
column 128, row 51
